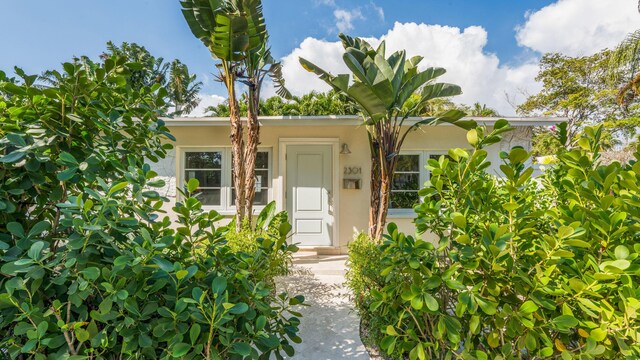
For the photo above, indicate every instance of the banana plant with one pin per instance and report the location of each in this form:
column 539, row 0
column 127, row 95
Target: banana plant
column 381, row 86
column 235, row 33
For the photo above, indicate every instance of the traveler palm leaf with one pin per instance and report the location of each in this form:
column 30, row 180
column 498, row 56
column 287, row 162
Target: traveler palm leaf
column 380, row 86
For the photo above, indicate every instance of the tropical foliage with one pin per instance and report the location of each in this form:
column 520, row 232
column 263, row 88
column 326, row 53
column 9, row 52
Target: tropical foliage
column 235, row 33
column 381, row 87
column 312, row 104
column 521, row 268
column 89, row 268
column 181, row 87
column 585, row 91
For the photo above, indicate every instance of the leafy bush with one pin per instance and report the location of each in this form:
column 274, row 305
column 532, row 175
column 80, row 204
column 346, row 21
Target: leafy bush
column 270, row 229
column 88, row 268
column 524, row 268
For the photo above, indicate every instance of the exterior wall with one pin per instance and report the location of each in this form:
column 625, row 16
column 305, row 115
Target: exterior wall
column 352, row 208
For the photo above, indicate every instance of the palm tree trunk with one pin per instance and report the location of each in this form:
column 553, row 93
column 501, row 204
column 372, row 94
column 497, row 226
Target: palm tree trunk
column 385, row 192
column 374, row 199
column 251, row 152
column 237, row 146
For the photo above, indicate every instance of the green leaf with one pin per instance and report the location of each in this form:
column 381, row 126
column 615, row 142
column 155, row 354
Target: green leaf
column 460, row 221
column 391, row 331
column 67, row 159
column 598, row 334
column 67, row 174
column 528, row 307
column 194, row 333
column 117, row 187
column 91, row 273
column 13, row 157
column 239, row 308
column 241, row 348
column 219, row 285
column 82, row 335
column 36, row 249
column 622, row 252
column 180, row 349
column 16, row 229
column 472, row 137
column 616, row 265
column 489, row 307
column 180, row 274
column 530, row 342
column 565, row 322
column 417, row 303
column 193, row 185
column 16, row 139
column 431, row 302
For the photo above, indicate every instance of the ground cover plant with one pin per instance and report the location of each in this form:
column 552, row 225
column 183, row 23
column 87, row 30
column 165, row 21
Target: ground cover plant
column 89, row 266
column 523, row 268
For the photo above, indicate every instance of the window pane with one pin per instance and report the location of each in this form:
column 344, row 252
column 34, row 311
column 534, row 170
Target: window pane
column 262, row 160
column 408, row 163
column 404, row 200
column 207, row 178
column 209, row 196
column 261, row 197
column 406, row 182
column 203, row 160
column 262, row 178
column 436, row 157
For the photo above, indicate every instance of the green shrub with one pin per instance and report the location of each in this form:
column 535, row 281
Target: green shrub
column 271, row 227
column 88, row 268
column 524, row 268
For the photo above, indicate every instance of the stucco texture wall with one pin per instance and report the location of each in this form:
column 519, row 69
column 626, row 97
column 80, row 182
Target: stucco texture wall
column 352, row 208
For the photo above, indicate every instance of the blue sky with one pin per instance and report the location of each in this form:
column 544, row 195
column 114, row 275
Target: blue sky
column 40, row 34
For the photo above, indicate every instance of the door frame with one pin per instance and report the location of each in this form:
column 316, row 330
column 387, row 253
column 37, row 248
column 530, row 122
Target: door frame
column 335, row 176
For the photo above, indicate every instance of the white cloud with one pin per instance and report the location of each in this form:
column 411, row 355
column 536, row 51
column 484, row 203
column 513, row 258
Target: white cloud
column 461, row 52
column 378, row 10
column 345, row 18
column 579, row 27
column 206, row 100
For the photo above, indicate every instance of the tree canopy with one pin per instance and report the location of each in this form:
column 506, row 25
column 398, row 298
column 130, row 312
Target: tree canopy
column 580, row 89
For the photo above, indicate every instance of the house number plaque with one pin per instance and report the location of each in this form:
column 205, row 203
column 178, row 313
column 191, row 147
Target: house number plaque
column 352, row 176
column 352, row 170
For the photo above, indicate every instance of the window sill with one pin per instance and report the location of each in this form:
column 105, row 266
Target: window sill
column 401, row 214
column 231, row 212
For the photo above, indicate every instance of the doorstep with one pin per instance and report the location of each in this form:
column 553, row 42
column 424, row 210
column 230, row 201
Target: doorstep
column 321, row 250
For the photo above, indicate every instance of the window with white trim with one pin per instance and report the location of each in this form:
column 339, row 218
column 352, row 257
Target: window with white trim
column 410, row 176
column 213, row 169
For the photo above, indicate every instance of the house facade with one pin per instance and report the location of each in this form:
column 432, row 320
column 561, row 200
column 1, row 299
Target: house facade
column 317, row 168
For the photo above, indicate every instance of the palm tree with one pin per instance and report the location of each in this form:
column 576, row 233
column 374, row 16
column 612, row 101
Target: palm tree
column 380, row 88
column 183, row 88
column 482, row 110
column 625, row 67
column 235, row 33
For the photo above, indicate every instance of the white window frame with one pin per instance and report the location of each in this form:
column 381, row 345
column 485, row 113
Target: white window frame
column 425, row 175
column 226, row 207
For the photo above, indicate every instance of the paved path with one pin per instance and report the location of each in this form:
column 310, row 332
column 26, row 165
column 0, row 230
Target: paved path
column 329, row 328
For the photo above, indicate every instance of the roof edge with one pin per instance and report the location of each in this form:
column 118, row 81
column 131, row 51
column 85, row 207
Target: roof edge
column 350, row 120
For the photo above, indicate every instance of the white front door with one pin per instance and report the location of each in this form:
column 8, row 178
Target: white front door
column 309, row 193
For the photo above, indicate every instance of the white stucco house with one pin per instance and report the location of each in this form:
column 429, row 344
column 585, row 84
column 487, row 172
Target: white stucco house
column 317, row 168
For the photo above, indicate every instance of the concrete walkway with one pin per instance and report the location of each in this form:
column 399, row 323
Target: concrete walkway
column 330, row 327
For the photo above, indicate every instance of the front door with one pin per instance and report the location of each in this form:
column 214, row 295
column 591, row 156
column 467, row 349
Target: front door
column 309, row 193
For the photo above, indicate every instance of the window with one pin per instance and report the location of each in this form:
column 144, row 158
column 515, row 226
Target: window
column 213, row 169
column 262, row 181
column 406, row 182
column 207, row 168
column 409, row 178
